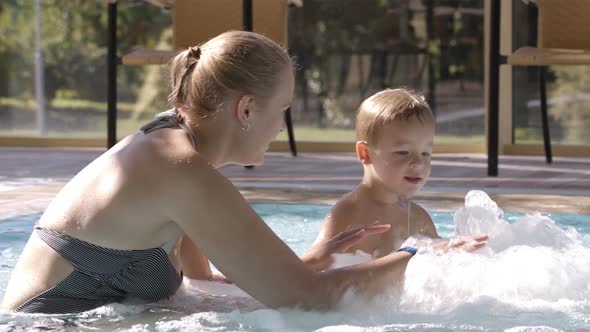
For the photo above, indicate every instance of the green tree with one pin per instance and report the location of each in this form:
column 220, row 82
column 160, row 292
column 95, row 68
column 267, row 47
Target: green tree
column 573, row 111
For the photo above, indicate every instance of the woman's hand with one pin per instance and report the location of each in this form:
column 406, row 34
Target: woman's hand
column 319, row 257
column 466, row 243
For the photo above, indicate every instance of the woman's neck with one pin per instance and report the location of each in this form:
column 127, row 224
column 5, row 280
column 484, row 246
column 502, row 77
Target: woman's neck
column 213, row 142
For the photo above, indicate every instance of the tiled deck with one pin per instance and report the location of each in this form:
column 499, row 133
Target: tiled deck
column 30, row 177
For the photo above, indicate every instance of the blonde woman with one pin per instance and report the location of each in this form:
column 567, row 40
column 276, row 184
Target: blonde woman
column 126, row 226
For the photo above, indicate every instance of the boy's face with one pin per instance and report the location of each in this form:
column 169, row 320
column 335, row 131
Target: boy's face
column 401, row 155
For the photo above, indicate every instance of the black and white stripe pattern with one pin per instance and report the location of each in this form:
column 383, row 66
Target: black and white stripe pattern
column 168, row 119
column 103, row 276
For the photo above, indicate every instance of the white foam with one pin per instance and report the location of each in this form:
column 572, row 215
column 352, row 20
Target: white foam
column 481, row 215
column 12, row 184
column 342, row 260
column 530, row 264
column 532, row 329
column 532, row 277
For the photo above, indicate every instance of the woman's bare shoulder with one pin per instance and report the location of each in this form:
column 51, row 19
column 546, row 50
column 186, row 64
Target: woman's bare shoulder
column 160, row 152
column 168, row 157
column 159, row 167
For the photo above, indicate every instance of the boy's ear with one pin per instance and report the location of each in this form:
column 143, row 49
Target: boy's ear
column 362, row 152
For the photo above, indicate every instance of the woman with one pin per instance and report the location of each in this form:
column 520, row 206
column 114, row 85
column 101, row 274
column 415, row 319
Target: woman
column 115, row 232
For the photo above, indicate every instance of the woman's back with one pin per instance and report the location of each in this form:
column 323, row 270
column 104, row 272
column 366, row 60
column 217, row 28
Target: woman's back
column 122, row 207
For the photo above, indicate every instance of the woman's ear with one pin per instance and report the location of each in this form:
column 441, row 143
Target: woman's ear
column 362, row 152
column 244, row 106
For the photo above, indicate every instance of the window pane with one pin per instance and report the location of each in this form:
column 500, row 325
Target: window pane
column 349, row 49
column 568, row 99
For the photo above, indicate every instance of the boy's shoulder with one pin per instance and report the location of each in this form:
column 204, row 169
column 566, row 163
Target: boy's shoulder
column 419, row 211
column 346, row 205
column 345, row 211
column 423, row 221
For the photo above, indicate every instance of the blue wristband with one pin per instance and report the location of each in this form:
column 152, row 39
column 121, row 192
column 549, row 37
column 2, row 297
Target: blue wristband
column 411, row 250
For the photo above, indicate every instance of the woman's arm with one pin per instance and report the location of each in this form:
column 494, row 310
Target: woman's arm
column 216, row 217
column 195, row 265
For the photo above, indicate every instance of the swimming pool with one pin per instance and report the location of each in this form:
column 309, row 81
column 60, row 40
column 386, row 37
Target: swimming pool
column 534, row 276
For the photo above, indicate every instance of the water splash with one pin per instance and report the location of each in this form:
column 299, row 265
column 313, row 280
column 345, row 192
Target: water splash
column 531, row 264
column 481, row 215
column 530, row 267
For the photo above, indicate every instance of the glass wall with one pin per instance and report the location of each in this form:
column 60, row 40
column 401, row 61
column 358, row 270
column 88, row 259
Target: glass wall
column 346, row 51
column 567, row 92
column 73, row 53
column 349, row 49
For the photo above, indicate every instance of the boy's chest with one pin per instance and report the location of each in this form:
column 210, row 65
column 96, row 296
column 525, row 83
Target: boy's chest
column 382, row 244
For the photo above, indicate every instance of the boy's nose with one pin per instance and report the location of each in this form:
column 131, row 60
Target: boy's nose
column 417, row 161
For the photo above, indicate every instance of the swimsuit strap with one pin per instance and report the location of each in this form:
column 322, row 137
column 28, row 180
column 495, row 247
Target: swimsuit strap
column 168, row 119
column 103, row 275
column 91, row 258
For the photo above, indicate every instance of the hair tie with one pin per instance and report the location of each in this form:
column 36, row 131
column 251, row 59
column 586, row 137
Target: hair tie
column 194, row 52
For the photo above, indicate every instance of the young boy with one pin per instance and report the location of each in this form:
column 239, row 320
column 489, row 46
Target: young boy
column 395, row 132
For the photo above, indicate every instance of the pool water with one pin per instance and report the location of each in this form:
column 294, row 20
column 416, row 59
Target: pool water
column 533, row 276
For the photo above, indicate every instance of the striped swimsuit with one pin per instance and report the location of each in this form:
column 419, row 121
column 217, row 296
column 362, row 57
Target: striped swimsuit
column 103, row 275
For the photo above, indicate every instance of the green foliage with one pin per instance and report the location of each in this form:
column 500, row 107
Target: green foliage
column 524, row 135
column 573, row 109
column 80, row 105
column 15, row 45
column 350, row 49
column 348, row 135
column 323, row 36
column 74, row 40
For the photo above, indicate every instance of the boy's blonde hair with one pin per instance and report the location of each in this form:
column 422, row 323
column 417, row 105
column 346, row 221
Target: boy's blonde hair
column 385, row 107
